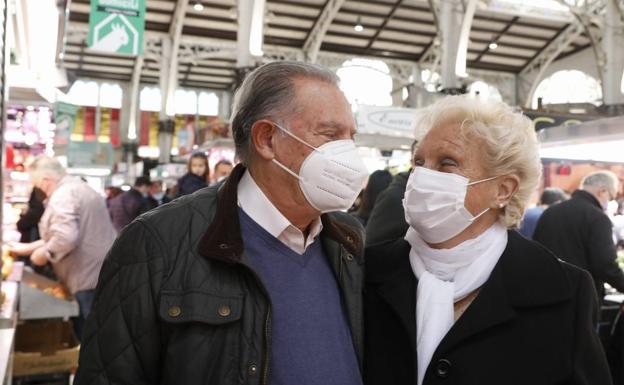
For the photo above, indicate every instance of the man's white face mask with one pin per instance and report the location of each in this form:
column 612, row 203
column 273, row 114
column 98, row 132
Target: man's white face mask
column 332, row 176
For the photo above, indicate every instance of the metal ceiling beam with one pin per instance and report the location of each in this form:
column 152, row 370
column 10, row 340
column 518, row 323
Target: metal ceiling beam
column 586, row 18
column 497, row 38
column 536, row 67
column 313, row 42
column 576, row 50
column 383, row 25
column 432, row 54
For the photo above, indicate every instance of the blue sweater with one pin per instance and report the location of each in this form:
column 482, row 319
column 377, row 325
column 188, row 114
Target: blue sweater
column 311, row 340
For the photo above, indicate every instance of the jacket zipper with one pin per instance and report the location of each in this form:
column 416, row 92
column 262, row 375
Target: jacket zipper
column 340, row 266
column 267, row 336
column 267, row 327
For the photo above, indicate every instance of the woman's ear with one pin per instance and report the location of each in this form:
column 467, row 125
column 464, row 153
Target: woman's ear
column 507, row 187
column 262, row 133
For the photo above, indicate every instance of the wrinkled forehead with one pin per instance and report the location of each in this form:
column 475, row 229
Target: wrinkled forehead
column 454, row 116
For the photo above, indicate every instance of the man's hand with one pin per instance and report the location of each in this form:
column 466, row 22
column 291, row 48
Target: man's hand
column 20, row 249
column 40, row 256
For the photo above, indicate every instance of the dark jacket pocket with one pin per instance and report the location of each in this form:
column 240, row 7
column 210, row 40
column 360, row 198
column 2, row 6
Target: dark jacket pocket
column 198, row 306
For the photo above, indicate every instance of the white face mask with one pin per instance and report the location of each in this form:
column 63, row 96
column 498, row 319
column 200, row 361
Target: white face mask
column 434, row 204
column 332, row 176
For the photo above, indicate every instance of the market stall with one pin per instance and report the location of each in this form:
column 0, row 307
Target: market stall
column 37, row 338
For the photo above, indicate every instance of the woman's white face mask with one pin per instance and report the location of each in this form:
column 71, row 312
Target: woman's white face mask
column 434, row 204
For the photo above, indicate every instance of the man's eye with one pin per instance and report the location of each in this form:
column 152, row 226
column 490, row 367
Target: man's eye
column 419, row 162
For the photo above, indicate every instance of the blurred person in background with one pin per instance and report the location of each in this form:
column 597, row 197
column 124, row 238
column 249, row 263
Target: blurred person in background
column 549, row 197
column 28, row 224
column 196, row 177
column 462, row 298
column 579, row 231
column 125, row 207
column 76, row 232
column 222, row 170
column 386, row 222
column 378, row 181
column 157, row 195
column 111, row 192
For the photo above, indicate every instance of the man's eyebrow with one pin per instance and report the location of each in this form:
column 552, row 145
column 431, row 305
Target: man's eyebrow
column 334, row 125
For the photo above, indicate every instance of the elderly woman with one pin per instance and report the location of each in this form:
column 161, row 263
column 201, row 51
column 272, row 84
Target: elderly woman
column 463, row 299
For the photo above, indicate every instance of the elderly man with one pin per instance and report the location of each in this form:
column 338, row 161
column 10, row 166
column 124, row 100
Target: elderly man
column 75, row 229
column 256, row 281
column 579, row 232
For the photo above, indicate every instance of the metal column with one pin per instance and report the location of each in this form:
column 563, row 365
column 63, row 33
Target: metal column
column 166, row 124
column 450, row 20
column 612, row 43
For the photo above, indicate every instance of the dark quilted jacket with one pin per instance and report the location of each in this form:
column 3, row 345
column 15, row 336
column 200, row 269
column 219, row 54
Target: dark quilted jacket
column 178, row 303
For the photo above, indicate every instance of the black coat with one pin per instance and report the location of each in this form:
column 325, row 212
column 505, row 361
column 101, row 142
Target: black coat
column 189, row 183
column 387, row 220
column 532, row 323
column 125, row 207
column 179, row 303
column 28, row 223
column 580, row 233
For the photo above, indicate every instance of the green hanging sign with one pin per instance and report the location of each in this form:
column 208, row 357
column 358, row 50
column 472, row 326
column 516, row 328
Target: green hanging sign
column 117, row 26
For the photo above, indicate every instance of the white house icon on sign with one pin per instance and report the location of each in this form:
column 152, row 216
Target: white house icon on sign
column 117, row 37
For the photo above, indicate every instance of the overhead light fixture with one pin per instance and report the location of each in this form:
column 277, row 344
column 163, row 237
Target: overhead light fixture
column 493, row 45
column 198, row 6
column 358, row 25
column 233, row 13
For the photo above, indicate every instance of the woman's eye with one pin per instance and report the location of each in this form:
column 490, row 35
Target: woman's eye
column 448, row 162
column 419, row 162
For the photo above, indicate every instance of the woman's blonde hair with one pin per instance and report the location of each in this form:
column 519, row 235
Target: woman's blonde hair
column 511, row 146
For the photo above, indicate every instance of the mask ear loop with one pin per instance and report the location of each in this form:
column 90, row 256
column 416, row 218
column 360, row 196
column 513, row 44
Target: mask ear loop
column 476, row 182
column 481, row 181
column 295, row 137
column 277, row 162
column 280, row 164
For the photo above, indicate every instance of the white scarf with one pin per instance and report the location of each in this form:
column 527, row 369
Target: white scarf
column 446, row 276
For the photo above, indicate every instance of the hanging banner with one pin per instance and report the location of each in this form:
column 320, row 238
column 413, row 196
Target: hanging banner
column 65, row 119
column 117, row 26
column 391, row 121
column 89, row 154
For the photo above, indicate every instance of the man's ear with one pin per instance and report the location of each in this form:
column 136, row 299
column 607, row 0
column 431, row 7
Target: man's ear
column 507, row 187
column 262, row 133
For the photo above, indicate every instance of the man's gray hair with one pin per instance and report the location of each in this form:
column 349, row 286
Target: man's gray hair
column 46, row 166
column 601, row 178
column 268, row 93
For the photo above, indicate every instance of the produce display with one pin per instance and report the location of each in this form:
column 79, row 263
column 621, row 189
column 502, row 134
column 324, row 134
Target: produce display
column 7, row 263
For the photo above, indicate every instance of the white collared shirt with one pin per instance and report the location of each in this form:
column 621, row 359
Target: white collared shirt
column 259, row 208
